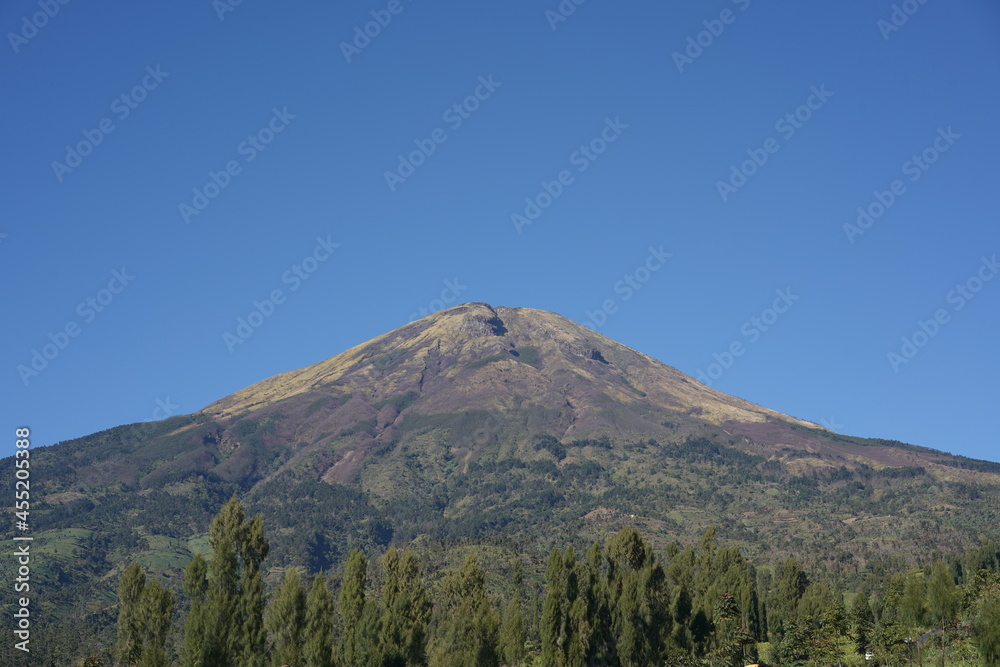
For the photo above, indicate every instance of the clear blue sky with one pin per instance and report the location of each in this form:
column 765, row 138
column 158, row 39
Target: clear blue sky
column 267, row 92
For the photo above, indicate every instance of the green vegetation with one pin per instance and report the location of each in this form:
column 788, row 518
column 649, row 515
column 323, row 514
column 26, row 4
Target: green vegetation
column 400, row 402
column 529, row 355
column 620, row 605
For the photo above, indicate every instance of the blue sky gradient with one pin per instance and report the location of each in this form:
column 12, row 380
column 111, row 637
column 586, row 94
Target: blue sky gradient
column 738, row 137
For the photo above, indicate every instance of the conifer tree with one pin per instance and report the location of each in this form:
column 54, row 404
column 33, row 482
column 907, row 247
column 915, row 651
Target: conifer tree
column 284, row 621
column 512, row 633
column 986, row 626
column 468, row 627
column 406, row 610
column 352, row 606
column 913, row 606
column 317, row 647
column 144, row 613
column 862, row 622
column 129, row 646
column 197, row 638
column 227, row 621
column 253, row 549
column 552, row 612
column 156, row 607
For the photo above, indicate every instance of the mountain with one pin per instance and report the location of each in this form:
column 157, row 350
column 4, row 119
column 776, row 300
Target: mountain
column 512, row 427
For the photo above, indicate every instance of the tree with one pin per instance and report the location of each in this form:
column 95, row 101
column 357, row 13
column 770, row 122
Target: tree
column 234, row 597
column 468, row 627
column 197, row 638
column 942, row 599
column 862, row 622
column 913, row 605
column 128, row 649
column 156, row 607
column 512, row 633
column 285, row 621
column 406, row 610
column 352, row 605
column 553, row 612
column 638, row 601
column 986, row 626
column 145, row 608
column 790, row 585
column 317, row 647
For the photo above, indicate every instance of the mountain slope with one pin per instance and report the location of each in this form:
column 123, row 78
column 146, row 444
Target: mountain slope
column 501, row 425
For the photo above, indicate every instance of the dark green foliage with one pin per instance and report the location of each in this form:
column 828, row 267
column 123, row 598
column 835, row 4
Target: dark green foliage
column 513, row 634
column 285, row 621
column 317, row 648
column 197, row 633
column 529, row 355
column 986, row 626
column 352, row 608
column 468, row 629
column 129, row 646
column 400, row 402
column 145, row 609
column 406, row 610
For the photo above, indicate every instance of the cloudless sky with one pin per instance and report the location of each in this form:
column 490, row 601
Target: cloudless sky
column 213, row 76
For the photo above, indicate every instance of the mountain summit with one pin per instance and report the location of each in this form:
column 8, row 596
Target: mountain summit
column 474, row 356
column 518, row 373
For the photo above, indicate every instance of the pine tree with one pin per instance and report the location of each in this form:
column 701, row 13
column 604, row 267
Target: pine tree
column 144, row 614
column 253, row 549
column 196, row 628
column 156, row 607
column 226, row 621
column 790, row 585
column 128, row 649
column 637, row 599
column 512, row 633
column 913, row 605
column 986, row 626
column 405, row 610
column 468, row 627
column 942, row 599
column 284, row 621
column 552, row 612
column 317, row 647
column 352, row 605
column 862, row 622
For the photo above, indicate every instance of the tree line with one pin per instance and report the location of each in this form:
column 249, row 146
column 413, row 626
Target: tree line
column 618, row 605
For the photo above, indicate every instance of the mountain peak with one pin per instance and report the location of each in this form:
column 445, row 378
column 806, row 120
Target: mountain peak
column 474, row 356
